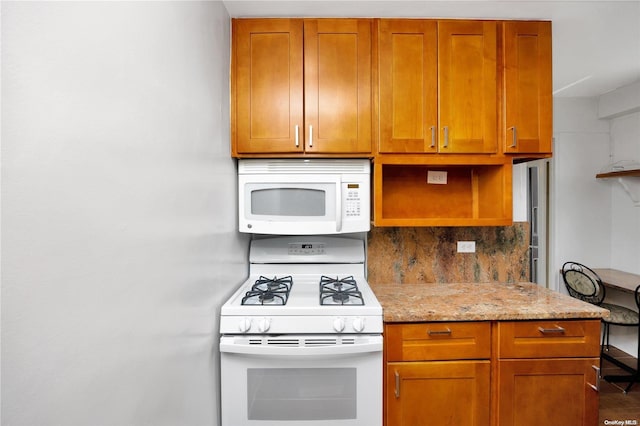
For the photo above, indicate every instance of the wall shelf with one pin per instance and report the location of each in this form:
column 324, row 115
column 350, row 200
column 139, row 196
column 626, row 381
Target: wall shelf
column 620, row 175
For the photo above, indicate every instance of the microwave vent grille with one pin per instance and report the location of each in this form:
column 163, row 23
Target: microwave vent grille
column 335, row 166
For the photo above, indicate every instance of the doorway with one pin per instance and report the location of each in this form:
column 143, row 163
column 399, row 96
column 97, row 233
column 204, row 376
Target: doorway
column 538, row 219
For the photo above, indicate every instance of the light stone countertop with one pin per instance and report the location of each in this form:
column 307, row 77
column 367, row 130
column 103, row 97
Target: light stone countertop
column 479, row 302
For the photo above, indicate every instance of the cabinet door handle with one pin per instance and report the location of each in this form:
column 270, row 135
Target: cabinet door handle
column 310, row 136
column 514, row 136
column 397, row 390
column 557, row 330
column 297, row 137
column 596, row 387
column 446, row 332
column 433, row 136
column 446, row 136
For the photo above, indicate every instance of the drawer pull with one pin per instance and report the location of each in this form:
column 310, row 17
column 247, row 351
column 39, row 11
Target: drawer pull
column 596, row 387
column 397, row 391
column 446, row 332
column 557, row 330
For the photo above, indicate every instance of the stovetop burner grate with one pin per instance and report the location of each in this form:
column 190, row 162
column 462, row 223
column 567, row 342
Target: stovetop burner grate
column 339, row 291
column 269, row 291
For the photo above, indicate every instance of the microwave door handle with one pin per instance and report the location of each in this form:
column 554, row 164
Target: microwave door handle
column 338, row 205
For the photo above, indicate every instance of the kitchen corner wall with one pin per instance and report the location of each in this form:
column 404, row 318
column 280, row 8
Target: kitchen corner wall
column 429, row 255
column 119, row 225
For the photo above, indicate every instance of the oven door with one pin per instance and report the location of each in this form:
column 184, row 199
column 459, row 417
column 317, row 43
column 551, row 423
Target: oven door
column 301, row 380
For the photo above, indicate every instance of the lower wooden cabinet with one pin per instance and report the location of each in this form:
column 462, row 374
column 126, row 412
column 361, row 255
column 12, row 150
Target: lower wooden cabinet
column 555, row 391
column 553, row 363
column 500, row 373
column 438, row 374
column 438, row 393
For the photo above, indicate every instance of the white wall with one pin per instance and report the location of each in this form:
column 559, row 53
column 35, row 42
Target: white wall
column 594, row 221
column 119, row 239
column 625, row 223
column 581, row 204
column 621, row 108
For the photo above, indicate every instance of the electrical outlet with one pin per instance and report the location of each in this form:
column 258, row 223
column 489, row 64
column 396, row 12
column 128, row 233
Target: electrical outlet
column 466, row 246
column 437, row 177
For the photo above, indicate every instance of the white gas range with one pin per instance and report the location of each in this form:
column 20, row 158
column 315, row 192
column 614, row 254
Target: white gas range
column 302, row 337
column 304, row 285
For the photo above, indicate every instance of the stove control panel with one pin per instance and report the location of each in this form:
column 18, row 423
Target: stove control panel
column 308, row 249
column 284, row 324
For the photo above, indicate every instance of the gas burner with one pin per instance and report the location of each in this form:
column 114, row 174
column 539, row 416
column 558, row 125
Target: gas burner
column 273, row 284
column 269, row 291
column 339, row 291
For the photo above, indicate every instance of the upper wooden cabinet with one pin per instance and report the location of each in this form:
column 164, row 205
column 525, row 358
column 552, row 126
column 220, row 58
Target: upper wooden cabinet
column 438, row 89
column 301, row 87
column 267, row 85
column 527, row 87
column 408, row 58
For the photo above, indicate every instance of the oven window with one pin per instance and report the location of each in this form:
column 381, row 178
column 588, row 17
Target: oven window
column 288, row 202
column 301, row 393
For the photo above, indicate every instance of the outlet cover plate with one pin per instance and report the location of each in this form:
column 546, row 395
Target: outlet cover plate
column 466, row 246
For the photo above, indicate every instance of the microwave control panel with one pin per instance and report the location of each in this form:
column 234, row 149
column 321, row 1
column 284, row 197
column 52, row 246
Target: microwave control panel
column 353, row 200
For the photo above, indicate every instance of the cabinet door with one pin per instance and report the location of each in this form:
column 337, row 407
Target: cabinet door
column 267, row 85
column 408, row 52
column 548, row 392
column 527, row 87
column 337, row 72
column 438, row 393
column 467, row 80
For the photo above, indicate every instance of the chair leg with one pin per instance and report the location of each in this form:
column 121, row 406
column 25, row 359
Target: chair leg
column 630, row 379
column 636, row 376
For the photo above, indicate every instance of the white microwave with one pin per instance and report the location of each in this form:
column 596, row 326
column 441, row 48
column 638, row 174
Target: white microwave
column 304, row 196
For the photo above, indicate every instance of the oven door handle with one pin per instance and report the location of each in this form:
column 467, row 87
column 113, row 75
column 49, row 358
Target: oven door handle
column 300, row 351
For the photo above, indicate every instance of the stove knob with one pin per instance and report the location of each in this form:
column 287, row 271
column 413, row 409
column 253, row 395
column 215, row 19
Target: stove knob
column 264, row 324
column 244, row 325
column 338, row 324
column 358, row 325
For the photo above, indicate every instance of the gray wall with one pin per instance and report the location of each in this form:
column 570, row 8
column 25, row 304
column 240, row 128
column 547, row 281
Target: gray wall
column 119, row 239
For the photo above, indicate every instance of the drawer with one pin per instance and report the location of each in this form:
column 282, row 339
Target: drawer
column 547, row 339
column 438, row 341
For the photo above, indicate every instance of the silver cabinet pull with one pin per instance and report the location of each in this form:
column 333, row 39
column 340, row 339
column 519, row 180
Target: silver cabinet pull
column 433, row 136
column 514, row 140
column 397, row 390
column 446, row 332
column 297, row 139
column 557, row 330
column 310, row 136
column 446, row 136
column 596, row 387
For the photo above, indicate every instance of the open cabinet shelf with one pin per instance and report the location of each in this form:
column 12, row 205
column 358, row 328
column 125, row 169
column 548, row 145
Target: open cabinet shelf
column 473, row 195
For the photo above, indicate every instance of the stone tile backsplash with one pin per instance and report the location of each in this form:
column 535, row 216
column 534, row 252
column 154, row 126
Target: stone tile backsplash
column 429, row 255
